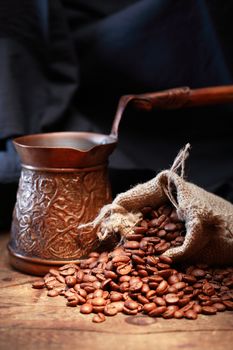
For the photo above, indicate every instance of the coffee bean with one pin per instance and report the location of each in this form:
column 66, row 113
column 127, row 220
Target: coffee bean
column 131, row 245
column 79, row 276
column 228, row 304
column 121, row 259
column 110, row 274
column 197, row 308
column 209, row 310
column 219, row 306
column 188, row 306
column 70, row 281
column 105, row 294
column 208, row 289
column 161, row 233
column 162, row 247
column 142, row 273
column 131, row 304
column 162, row 287
column 52, row 293
column 114, row 286
column 98, row 293
column 170, row 227
column 157, row 311
column 67, row 272
column 38, row 284
column 169, row 313
column 171, row 289
column 184, row 301
column 179, row 285
column 73, row 297
column 54, row 272
column 67, row 266
column 138, row 230
column 105, row 283
column 115, row 296
column 60, row 279
column 136, row 286
column 96, row 309
column 190, row 314
column 198, row 273
column 153, row 285
column 142, row 300
column 60, row 290
column 160, row 220
column 146, row 210
column 49, row 279
column 124, row 269
column 162, row 266
column 110, row 310
column 99, row 318
column 188, row 290
column 165, row 259
column 72, row 303
column 119, row 305
column 150, row 294
column 180, row 294
column 81, row 299
column 96, row 285
column 145, row 288
column 203, row 297
column 137, row 235
column 68, row 293
column 124, row 287
column 148, row 307
column 165, row 273
column 89, row 278
column 171, row 298
column 124, row 279
column 137, row 259
column 159, row 301
column 129, row 311
column 189, row 279
column 99, row 301
column 155, row 278
column 178, row 314
column 206, row 303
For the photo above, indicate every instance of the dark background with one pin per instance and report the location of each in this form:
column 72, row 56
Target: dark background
column 64, row 65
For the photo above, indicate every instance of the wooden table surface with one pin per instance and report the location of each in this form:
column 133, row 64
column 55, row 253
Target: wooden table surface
column 31, row 320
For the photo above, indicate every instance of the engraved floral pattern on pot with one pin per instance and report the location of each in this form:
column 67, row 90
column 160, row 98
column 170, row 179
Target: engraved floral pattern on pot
column 49, row 208
column 46, row 185
column 26, row 191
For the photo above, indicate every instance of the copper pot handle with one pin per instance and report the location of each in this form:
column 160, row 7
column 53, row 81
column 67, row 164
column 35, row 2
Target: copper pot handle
column 173, row 99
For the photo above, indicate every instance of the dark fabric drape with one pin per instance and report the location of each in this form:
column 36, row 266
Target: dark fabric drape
column 65, row 63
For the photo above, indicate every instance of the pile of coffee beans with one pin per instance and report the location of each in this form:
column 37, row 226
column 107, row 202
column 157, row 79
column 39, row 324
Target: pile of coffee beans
column 136, row 277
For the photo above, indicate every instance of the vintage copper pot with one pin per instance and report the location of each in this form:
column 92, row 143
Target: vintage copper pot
column 64, row 183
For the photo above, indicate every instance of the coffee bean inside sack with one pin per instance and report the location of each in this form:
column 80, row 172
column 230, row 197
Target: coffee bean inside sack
column 136, row 277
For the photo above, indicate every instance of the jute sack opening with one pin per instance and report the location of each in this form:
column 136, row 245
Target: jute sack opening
column 208, row 218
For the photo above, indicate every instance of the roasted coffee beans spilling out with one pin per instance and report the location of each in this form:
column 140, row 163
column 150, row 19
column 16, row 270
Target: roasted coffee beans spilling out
column 136, row 277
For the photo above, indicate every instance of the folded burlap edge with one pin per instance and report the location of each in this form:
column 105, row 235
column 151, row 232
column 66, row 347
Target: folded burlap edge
column 208, row 220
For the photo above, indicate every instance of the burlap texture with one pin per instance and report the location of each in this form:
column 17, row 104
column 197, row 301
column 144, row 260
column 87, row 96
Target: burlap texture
column 208, row 218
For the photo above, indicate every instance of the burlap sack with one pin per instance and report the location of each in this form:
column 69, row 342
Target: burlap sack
column 208, row 218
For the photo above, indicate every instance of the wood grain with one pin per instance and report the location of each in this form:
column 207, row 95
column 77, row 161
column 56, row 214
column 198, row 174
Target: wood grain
column 29, row 319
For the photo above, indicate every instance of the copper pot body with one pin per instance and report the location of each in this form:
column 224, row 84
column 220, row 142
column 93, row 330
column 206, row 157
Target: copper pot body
column 63, row 184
